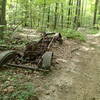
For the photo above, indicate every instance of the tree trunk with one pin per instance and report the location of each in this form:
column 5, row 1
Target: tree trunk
column 95, row 12
column 99, row 11
column 82, row 11
column 62, row 15
column 2, row 16
column 69, row 11
column 39, row 14
column 44, row 5
column 31, row 12
column 26, row 14
column 48, row 19
column 55, row 21
column 77, row 14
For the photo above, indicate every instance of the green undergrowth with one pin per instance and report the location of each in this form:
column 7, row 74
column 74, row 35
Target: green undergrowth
column 93, row 31
column 71, row 33
column 16, row 87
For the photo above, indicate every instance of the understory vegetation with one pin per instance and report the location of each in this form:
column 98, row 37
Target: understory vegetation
column 52, row 15
column 16, row 88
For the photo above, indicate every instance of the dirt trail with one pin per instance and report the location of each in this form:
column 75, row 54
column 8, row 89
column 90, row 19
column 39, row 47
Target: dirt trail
column 76, row 76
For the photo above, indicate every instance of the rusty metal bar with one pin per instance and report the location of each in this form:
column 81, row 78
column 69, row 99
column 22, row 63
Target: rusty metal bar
column 25, row 67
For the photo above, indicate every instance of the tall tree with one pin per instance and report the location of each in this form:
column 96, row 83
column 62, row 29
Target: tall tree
column 82, row 11
column 95, row 12
column 48, row 17
column 69, row 12
column 44, row 8
column 62, row 15
column 77, row 14
column 26, row 13
column 56, row 16
column 2, row 16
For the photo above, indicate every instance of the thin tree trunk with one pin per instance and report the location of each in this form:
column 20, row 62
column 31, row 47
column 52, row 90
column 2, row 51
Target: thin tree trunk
column 62, row 15
column 77, row 14
column 43, row 13
column 15, row 14
column 95, row 12
column 69, row 12
column 48, row 20
column 55, row 21
column 26, row 13
column 75, row 19
column 31, row 12
column 99, row 11
column 82, row 11
column 39, row 14
column 2, row 16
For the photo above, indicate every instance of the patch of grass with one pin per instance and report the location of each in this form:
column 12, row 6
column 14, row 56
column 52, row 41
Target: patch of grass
column 93, row 31
column 71, row 33
column 2, row 42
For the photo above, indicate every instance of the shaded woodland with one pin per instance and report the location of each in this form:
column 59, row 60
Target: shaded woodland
column 49, row 14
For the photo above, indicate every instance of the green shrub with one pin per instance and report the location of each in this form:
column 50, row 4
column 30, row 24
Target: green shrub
column 93, row 31
column 71, row 33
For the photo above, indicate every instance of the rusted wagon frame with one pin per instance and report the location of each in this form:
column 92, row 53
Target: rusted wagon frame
column 41, row 54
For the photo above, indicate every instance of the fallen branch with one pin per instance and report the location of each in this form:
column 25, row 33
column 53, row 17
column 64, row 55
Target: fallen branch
column 75, row 49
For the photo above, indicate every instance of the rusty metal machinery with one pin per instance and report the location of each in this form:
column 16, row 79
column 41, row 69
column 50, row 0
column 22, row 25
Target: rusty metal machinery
column 36, row 53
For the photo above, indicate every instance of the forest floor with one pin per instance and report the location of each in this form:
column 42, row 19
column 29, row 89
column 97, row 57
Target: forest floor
column 77, row 76
column 74, row 76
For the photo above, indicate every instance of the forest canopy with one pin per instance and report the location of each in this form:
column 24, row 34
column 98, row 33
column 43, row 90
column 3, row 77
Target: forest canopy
column 50, row 14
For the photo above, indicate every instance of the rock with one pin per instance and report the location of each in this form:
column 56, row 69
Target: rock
column 9, row 89
column 35, row 98
column 7, row 82
column 61, row 60
column 48, row 93
column 5, row 90
column 53, row 88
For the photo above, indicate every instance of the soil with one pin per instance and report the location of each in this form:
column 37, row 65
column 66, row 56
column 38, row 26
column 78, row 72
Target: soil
column 77, row 73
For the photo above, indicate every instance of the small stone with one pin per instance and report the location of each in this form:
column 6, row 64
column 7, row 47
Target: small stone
column 7, row 82
column 53, row 90
column 35, row 98
column 5, row 90
column 9, row 89
column 48, row 93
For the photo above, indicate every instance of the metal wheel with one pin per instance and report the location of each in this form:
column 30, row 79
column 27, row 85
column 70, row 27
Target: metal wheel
column 47, row 60
column 6, row 56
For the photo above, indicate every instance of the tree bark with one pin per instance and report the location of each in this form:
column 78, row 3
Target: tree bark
column 62, row 15
column 69, row 12
column 77, row 14
column 44, row 5
column 48, row 19
column 95, row 12
column 2, row 16
column 56, row 11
